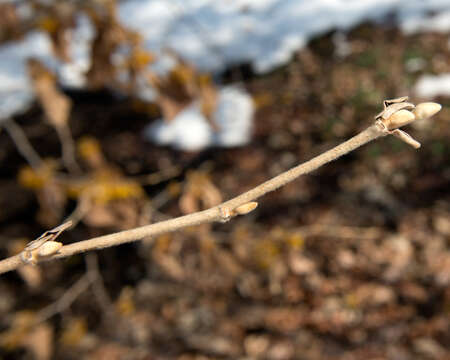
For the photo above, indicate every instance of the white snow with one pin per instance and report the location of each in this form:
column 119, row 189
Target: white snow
column 16, row 93
column 212, row 35
column 72, row 74
column 440, row 22
column 233, row 116
column 430, row 86
column 190, row 130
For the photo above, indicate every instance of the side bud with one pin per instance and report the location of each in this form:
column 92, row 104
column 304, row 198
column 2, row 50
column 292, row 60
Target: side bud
column 49, row 248
column 400, row 118
column 246, row 208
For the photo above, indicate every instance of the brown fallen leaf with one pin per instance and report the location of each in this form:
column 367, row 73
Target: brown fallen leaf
column 180, row 87
column 58, row 20
column 55, row 104
column 40, row 342
column 208, row 96
column 11, row 27
column 176, row 90
column 49, row 190
column 110, row 34
column 199, row 193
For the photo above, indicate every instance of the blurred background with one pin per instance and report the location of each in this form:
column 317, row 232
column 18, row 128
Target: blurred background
column 117, row 114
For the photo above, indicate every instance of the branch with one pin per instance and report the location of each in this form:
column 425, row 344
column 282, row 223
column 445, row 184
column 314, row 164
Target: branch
column 67, row 148
column 22, row 143
column 243, row 203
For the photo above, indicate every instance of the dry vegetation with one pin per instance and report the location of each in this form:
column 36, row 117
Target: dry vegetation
column 352, row 262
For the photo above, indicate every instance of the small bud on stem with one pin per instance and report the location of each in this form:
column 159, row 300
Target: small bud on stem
column 246, row 208
column 399, row 119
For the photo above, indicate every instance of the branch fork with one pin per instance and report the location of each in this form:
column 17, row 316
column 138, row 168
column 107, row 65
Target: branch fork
column 44, row 246
column 399, row 112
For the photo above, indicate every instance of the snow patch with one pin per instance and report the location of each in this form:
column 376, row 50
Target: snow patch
column 191, row 131
column 440, row 22
column 430, row 86
column 16, row 92
column 73, row 73
column 213, row 34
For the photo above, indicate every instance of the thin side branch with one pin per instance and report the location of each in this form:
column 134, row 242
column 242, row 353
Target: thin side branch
column 387, row 122
column 22, row 143
column 68, row 149
column 66, row 300
column 219, row 213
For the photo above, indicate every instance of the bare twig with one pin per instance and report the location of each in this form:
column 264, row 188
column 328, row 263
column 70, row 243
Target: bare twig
column 22, row 143
column 91, row 278
column 226, row 210
column 156, row 178
column 98, row 287
column 64, row 302
column 81, row 209
column 45, row 245
column 68, row 149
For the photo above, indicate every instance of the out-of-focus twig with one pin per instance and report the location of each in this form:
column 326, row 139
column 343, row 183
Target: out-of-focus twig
column 91, row 278
column 243, row 203
column 98, row 287
column 82, row 207
column 158, row 177
column 64, row 302
column 22, row 143
column 68, row 149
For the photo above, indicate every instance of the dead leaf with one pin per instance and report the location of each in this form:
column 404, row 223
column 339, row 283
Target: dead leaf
column 74, row 331
column 110, row 35
column 180, row 87
column 52, row 200
column 117, row 214
column 199, row 193
column 16, row 335
column 170, row 265
column 50, row 192
column 11, row 27
column 58, row 20
column 125, row 303
column 176, row 90
column 208, row 96
column 32, row 275
column 55, row 104
column 40, row 342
